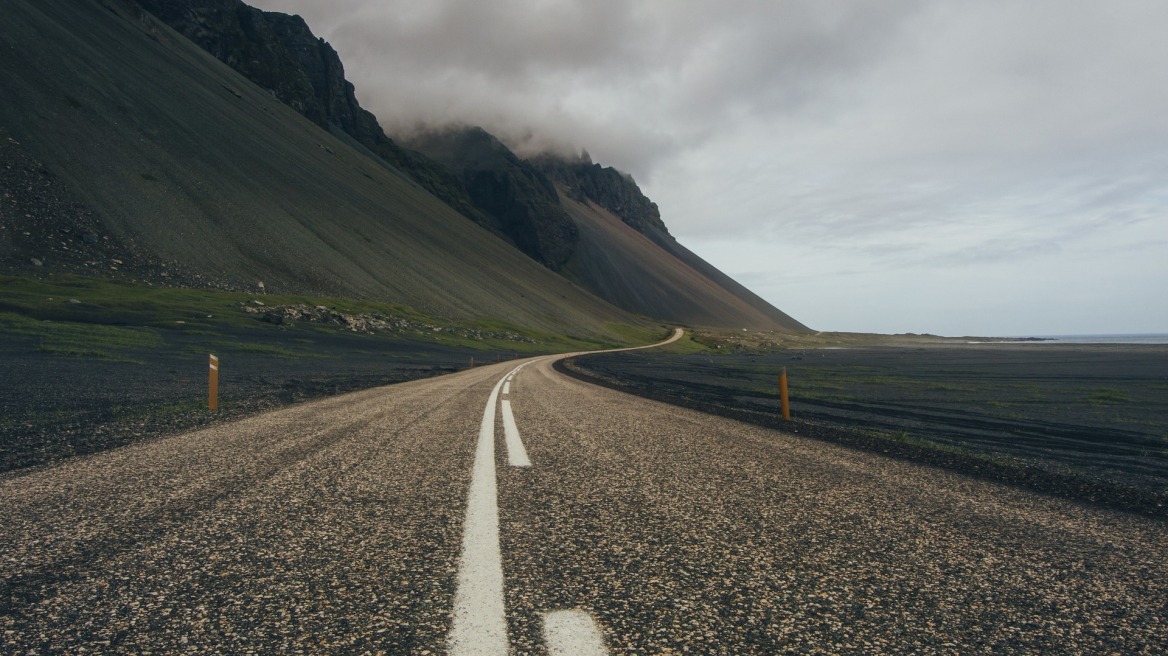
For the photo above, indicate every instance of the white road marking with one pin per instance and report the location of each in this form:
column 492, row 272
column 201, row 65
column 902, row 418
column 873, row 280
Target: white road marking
column 507, row 386
column 479, row 624
column 479, row 620
column 572, row 633
column 516, row 454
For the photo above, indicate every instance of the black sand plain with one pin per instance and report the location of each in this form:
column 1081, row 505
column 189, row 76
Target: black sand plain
column 1082, row 421
column 54, row 406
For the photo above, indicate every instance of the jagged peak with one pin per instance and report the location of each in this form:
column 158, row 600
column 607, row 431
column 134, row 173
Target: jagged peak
column 608, row 187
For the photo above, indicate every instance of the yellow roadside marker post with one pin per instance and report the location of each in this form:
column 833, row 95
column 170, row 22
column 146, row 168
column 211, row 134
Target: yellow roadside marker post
column 213, row 392
column 783, row 400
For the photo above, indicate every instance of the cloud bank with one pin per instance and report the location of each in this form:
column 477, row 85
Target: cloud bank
column 994, row 167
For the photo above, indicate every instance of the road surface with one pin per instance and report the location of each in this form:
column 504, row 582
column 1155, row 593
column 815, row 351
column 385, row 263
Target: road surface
column 366, row 523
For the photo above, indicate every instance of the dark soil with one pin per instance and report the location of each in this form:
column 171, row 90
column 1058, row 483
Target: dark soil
column 1085, row 422
column 54, row 406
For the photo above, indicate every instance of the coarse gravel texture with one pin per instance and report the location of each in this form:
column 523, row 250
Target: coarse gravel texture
column 56, row 406
column 334, row 527
column 1087, row 422
column 326, row 527
column 685, row 533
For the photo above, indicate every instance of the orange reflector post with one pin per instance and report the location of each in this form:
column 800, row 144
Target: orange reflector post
column 213, row 391
column 783, row 400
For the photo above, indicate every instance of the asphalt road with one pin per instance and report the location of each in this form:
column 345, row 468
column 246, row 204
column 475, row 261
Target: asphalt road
column 339, row 526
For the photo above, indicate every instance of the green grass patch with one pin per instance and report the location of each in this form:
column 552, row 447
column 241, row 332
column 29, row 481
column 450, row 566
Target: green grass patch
column 267, row 349
column 125, row 306
column 1107, row 397
column 926, row 444
column 687, row 345
column 80, row 340
column 637, row 335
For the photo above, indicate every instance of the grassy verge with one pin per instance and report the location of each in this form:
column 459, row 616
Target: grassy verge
column 80, row 340
column 90, row 317
column 88, row 365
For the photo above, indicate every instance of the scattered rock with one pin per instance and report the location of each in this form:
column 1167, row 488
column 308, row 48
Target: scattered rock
column 371, row 324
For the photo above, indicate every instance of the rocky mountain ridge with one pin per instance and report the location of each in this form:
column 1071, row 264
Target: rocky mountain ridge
column 520, row 200
column 225, row 142
column 280, row 53
column 609, row 188
column 466, row 167
column 474, row 172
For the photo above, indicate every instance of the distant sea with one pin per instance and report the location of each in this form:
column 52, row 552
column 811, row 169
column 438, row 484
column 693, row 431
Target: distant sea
column 1147, row 338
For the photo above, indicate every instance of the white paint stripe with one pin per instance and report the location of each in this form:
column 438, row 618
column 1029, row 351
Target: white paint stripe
column 479, row 624
column 572, row 633
column 507, row 387
column 516, row 454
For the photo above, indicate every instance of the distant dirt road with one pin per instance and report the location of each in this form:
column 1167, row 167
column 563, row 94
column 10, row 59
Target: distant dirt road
column 337, row 526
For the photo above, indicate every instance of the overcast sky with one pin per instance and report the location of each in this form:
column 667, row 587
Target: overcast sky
column 992, row 167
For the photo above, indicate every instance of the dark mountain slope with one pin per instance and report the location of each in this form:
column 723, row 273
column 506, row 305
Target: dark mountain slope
column 631, row 261
column 674, row 248
column 521, row 202
column 631, row 271
column 474, row 173
column 616, row 192
column 168, row 147
column 280, row 53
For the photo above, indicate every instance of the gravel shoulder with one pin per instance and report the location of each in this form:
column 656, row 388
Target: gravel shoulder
column 687, row 533
column 333, row 526
column 330, row 526
column 55, row 406
column 1082, row 422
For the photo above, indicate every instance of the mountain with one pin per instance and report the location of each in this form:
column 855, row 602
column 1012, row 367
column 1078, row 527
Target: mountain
column 607, row 187
column 521, row 202
column 679, row 286
column 615, row 243
column 249, row 159
column 280, row 53
column 474, row 172
column 157, row 144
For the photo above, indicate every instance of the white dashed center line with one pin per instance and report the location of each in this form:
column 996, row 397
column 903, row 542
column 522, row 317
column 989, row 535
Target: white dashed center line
column 479, row 625
column 572, row 633
column 516, row 454
column 479, row 622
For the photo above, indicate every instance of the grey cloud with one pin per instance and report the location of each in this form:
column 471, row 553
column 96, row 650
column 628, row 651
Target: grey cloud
column 632, row 82
column 893, row 137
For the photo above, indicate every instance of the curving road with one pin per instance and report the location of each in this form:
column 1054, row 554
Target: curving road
column 341, row 526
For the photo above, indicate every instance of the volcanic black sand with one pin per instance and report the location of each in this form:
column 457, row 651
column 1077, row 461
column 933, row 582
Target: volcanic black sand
column 1083, row 421
column 54, row 406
